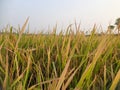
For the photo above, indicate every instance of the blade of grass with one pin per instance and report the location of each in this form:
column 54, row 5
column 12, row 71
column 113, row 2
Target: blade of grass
column 115, row 81
column 105, row 77
column 45, row 82
column 54, row 68
column 48, row 65
column 62, row 77
column 70, row 78
column 5, row 83
column 27, row 72
column 18, row 79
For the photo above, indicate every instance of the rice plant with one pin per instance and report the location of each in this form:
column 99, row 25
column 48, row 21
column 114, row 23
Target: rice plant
column 64, row 61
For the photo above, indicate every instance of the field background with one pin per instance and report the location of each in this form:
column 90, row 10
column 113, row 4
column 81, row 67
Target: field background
column 64, row 61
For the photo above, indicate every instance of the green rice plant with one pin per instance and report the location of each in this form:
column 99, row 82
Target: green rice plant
column 59, row 61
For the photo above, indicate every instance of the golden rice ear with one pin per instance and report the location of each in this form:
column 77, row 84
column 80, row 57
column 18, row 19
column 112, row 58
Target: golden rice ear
column 21, row 31
column 24, row 25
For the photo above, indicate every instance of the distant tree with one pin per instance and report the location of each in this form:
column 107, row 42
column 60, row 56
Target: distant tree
column 110, row 28
column 118, row 24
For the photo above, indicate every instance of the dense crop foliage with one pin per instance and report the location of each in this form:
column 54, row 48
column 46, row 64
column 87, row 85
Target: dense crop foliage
column 71, row 61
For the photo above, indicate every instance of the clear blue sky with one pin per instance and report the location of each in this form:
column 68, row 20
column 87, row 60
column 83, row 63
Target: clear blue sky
column 46, row 13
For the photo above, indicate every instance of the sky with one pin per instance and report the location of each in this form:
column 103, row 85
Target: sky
column 45, row 14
